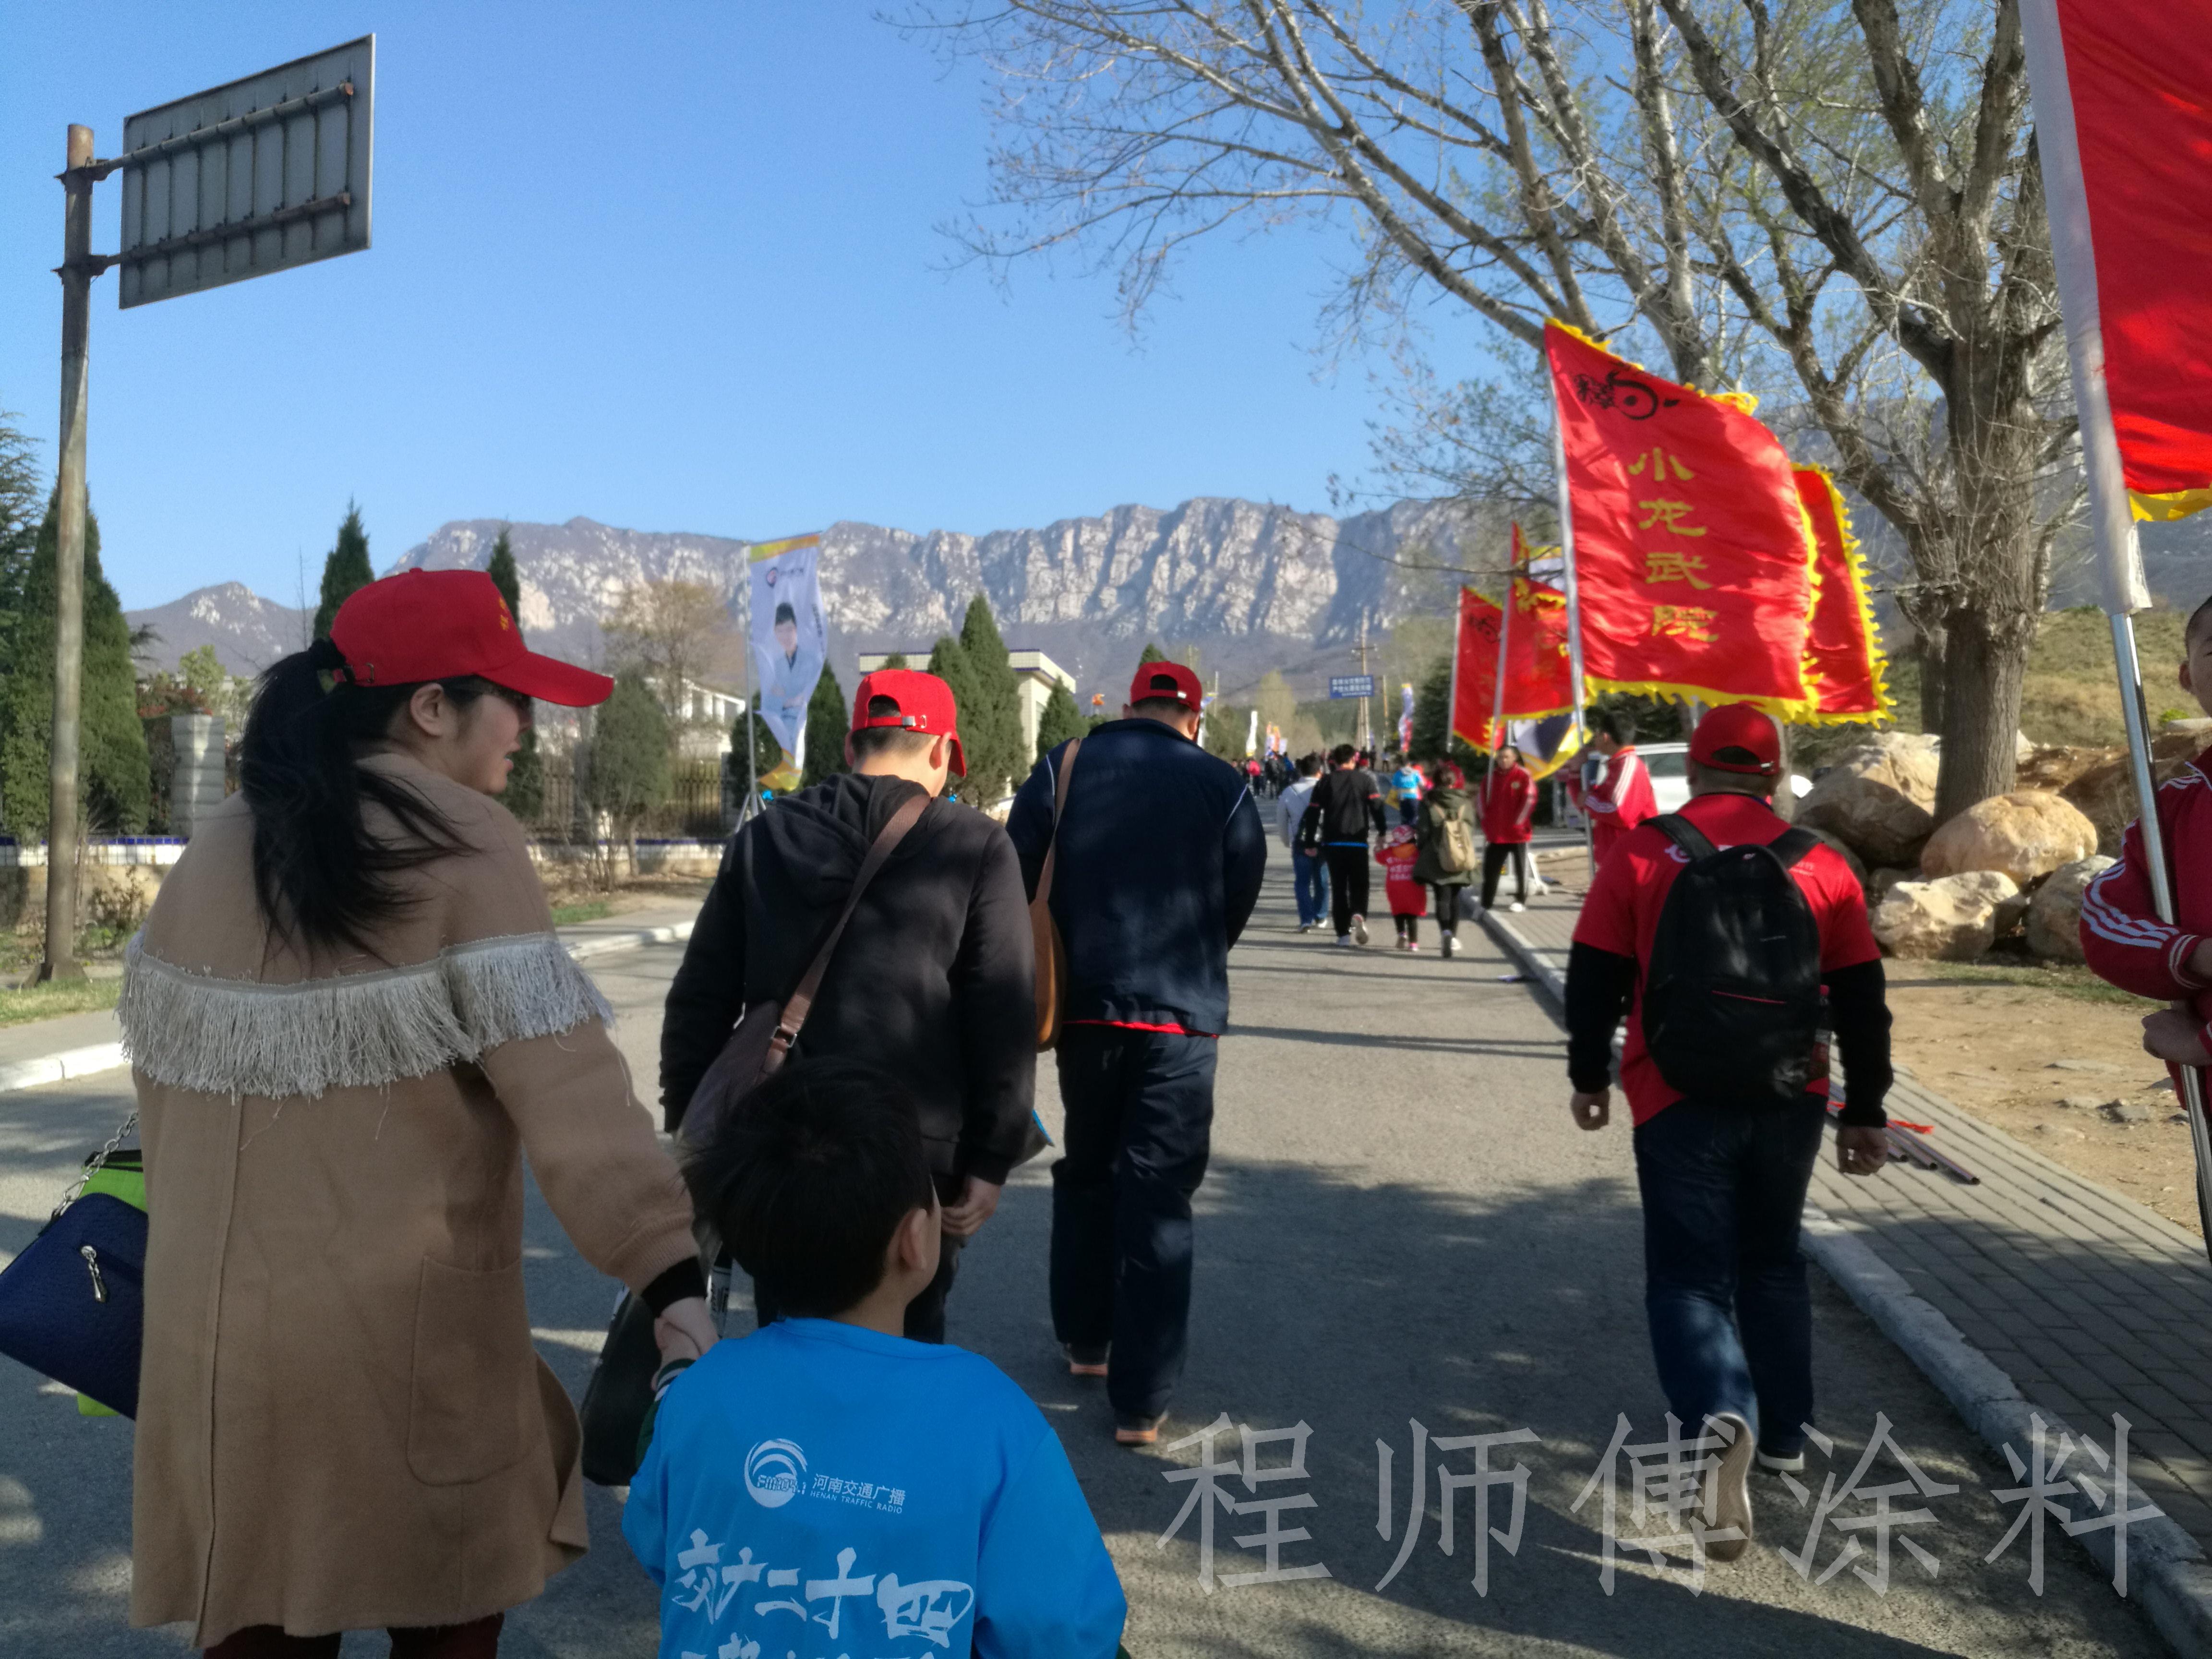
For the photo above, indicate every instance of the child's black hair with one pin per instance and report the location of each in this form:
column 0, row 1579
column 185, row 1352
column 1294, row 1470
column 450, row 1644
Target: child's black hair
column 2189, row 633
column 808, row 1179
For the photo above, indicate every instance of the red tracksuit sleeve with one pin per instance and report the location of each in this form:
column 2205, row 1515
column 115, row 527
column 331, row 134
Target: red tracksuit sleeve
column 2122, row 937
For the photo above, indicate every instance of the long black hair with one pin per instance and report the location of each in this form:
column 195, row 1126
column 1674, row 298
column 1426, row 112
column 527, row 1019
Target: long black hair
column 319, row 872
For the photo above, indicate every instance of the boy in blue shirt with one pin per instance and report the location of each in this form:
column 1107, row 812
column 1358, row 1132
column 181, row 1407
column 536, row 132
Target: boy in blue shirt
column 826, row 1486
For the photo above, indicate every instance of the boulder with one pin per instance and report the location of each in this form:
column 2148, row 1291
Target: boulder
column 2106, row 794
column 1878, row 798
column 2059, row 767
column 2054, row 914
column 1951, row 920
column 2024, row 834
column 1858, row 869
column 1879, row 882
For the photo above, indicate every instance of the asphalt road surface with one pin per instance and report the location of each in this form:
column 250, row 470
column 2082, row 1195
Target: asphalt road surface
column 1400, row 1227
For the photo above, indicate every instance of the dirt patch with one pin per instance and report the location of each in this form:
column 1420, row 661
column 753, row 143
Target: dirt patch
column 628, row 893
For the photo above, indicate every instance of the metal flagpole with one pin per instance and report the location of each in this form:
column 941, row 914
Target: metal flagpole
column 1577, row 691
column 2119, row 560
column 1497, row 691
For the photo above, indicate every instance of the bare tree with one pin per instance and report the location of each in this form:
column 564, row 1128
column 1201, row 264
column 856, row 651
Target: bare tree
column 671, row 632
column 1833, row 199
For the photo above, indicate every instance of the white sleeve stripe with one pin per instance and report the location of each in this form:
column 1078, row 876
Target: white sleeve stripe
column 2095, row 922
column 2118, row 926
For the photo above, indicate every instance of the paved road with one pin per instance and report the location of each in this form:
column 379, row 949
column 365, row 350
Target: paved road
column 1399, row 1225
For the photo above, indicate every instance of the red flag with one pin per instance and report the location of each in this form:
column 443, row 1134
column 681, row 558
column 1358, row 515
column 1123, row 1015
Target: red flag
column 1844, row 662
column 1692, row 558
column 2138, row 79
column 1474, row 670
column 1538, row 677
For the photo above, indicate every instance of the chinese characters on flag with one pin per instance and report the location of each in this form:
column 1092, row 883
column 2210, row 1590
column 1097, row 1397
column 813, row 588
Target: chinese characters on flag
column 1842, row 647
column 1691, row 553
column 1538, row 679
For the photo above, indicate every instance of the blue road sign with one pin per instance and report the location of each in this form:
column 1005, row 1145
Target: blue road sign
column 1352, row 685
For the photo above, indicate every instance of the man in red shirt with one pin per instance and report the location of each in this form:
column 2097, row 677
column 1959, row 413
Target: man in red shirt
column 1621, row 798
column 1723, row 1183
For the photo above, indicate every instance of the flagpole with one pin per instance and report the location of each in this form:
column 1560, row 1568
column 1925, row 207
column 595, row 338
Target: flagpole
column 1577, row 689
column 1498, row 692
column 1451, row 703
column 2112, row 521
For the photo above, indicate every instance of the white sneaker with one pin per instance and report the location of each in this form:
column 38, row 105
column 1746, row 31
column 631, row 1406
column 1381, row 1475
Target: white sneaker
column 1516, row 906
column 1345, row 940
column 1359, row 930
column 1774, row 1465
column 1306, row 927
column 1722, row 1517
column 1451, row 945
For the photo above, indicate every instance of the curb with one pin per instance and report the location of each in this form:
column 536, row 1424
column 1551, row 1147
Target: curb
column 2166, row 1570
column 108, row 1056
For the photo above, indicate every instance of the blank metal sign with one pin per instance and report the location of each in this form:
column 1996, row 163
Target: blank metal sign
column 266, row 173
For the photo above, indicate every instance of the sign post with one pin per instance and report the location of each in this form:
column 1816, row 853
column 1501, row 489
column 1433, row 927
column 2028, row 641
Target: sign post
column 261, row 175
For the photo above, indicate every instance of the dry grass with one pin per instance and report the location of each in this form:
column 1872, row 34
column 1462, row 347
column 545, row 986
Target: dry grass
column 81, row 996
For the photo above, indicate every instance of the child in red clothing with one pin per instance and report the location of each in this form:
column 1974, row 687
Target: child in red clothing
column 1409, row 898
column 2122, row 936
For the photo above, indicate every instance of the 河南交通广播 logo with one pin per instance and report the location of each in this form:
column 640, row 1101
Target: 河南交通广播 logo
column 774, row 1469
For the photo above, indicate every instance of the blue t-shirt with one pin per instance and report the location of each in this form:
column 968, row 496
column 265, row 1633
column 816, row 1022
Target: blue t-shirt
column 1406, row 782
column 817, row 1487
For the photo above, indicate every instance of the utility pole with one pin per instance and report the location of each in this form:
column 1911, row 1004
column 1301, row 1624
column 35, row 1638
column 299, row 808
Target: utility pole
column 1366, row 725
column 78, row 268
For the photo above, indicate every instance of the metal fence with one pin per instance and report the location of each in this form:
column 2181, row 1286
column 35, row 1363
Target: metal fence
column 697, row 806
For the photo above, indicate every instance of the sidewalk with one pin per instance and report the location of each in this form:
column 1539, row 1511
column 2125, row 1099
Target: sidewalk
column 2088, row 1302
column 44, row 1051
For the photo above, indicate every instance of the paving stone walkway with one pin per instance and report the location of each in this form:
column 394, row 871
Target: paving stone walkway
column 2092, row 1303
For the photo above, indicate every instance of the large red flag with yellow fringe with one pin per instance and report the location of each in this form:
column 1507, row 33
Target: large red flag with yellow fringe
column 1844, row 665
column 1692, row 557
column 1474, row 670
column 1538, row 677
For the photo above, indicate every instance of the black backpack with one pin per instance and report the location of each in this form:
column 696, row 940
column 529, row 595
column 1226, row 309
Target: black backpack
column 1732, row 1005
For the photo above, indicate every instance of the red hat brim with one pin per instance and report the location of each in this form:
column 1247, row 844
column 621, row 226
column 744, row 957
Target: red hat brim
column 551, row 680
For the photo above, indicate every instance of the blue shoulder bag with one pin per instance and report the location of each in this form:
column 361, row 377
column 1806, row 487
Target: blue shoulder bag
column 72, row 1305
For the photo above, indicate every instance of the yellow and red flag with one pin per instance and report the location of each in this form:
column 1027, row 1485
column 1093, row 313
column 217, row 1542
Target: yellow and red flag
column 1844, row 665
column 1539, row 678
column 1692, row 558
column 1474, row 670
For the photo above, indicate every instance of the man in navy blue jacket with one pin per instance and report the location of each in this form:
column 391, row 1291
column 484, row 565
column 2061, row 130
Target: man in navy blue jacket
column 1160, row 860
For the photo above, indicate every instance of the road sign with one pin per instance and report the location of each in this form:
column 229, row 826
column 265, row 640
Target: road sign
column 1352, row 685
column 259, row 175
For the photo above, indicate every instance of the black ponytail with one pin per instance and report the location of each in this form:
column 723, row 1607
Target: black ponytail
column 319, row 872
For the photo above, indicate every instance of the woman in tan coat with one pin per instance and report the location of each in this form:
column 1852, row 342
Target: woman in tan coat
column 348, row 1018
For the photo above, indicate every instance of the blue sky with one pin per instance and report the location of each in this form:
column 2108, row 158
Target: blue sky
column 672, row 267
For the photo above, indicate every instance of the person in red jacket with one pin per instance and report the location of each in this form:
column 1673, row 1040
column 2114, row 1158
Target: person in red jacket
column 2122, row 937
column 1509, row 808
column 1621, row 798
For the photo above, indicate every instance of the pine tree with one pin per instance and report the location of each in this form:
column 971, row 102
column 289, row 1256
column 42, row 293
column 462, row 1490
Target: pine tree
column 995, row 760
column 629, row 769
column 949, row 664
column 1152, row 654
column 826, row 716
column 114, row 779
column 524, row 795
column 1058, row 720
column 345, row 570
column 897, row 659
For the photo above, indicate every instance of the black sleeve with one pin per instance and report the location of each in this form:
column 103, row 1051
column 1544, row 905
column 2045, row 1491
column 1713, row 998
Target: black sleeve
column 1377, row 819
column 994, row 997
column 708, row 993
column 682, row 1281
column 1858, row 1009
column 1030, row 823
column 1599, row 985
column 1243, row 863
column 1309, row 821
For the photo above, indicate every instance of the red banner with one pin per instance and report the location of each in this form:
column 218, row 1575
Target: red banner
column 1842, row 647
column 1538, row 677
column 1692, row 558
column 2139, row 77
column 1474, row 670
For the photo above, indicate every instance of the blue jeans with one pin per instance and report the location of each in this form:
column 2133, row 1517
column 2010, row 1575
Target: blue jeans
column 1311, row 876
column 1724, row 1284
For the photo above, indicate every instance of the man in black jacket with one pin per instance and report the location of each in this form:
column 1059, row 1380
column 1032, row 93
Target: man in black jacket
column 935, row 980
column 1161, row 854
column 1343, row 812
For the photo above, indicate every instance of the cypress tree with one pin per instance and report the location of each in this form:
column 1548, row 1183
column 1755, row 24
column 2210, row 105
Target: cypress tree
column 344, row 570
column 630, row 757
column 1152, row 654
column 1059, row 720
column 114, row 781
column 949, row 664
column 524, row 796
column 826, row 715
column 995, row 760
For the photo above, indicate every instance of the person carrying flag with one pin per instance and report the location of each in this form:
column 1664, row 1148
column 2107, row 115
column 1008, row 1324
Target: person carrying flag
column 1620, row 798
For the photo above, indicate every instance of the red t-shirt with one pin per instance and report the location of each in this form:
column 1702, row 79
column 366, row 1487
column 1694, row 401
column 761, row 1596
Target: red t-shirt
column 1621, row 915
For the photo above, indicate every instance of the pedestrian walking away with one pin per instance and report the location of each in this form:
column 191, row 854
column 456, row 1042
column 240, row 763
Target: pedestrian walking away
column 1446, row 861
column 349, row 1017
column 1309, row 874
column 1343, row 819
column 1407, row 784
column 1730, row 939
column 1397, row 853
column 934, row 983
column 1509, row 809
column 1620, row 798
column 1158, row 856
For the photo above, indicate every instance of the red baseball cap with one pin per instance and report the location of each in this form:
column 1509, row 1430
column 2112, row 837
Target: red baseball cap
column 1737, row 738
column 440, row 625
column 921, row 702
column 1167, row 679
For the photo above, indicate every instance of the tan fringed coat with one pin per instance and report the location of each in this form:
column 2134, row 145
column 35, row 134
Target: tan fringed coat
column 342, row 1422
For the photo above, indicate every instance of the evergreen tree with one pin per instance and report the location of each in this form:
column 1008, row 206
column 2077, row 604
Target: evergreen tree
column 767, row 753
column 22, row 507
column 826, row 717
column 995, row 760
column 949, row 664
column 1152, row 654
column 1059, row 720
column 897, row 659
column 629, row 772
column 114, row 781
column 344, row 570
column 524, row 795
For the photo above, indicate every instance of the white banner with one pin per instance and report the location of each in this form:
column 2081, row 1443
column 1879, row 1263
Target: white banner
column 790, row 638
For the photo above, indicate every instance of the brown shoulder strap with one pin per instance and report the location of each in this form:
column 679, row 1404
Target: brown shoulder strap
column 1059, row 806
column 887, row 839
